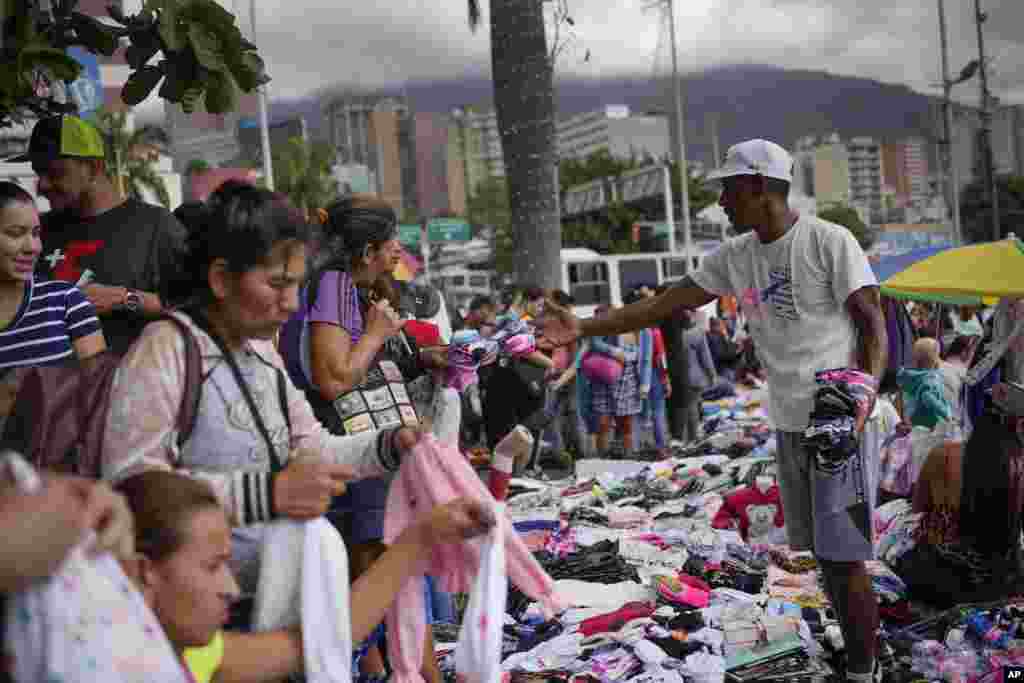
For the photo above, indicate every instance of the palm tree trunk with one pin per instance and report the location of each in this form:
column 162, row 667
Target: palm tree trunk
column 524, row 100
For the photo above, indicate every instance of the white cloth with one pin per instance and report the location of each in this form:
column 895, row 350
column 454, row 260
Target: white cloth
column 304, row 579
column 611, row 596
column 86, row 623
column 701, row 667
column 446, row 414
column 558, row 654
column 649, row 653
column 478, row 653
column 793, row 293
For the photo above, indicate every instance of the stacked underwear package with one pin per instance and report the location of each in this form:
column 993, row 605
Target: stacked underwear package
column 842, row 405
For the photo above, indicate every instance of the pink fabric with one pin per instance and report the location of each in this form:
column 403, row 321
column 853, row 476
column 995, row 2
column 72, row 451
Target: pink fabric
column 520, row 345
column 434, row 474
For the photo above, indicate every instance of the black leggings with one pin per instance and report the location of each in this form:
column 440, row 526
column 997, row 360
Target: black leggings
column 507, row 402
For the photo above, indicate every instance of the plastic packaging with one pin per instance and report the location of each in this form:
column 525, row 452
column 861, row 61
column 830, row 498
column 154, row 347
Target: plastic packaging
column 982, row 627
column 955, row 638
column 925, row 657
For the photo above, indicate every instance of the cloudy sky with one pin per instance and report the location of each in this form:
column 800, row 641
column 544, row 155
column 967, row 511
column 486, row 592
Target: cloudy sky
column 313, row 43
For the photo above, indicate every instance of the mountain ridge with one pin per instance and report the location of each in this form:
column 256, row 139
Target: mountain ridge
column 749, row 100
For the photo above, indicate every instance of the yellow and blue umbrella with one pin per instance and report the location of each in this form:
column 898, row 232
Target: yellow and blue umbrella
column 970, row 275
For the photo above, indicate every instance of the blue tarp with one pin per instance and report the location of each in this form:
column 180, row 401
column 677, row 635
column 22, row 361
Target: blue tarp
column 890, row 265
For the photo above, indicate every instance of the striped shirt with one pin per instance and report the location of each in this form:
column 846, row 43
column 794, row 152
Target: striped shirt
column 52, row 315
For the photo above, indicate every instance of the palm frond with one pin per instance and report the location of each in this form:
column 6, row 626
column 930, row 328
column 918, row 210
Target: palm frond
column 150, row 135
column 142, row 175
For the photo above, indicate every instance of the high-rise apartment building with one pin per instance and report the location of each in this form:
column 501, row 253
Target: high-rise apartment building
column 831, row 172
column 905, row 171
column 376, row 131
column 1008, row 140
column 964, row 142
column 865, row 163
column 432, row 194
column 803, row 165
column 455, row 172
column 615, row 130
column 213, row 138
column 475, row 142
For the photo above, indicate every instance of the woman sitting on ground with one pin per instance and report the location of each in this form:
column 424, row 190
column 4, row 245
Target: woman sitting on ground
column 971, row 497
column 183, row 548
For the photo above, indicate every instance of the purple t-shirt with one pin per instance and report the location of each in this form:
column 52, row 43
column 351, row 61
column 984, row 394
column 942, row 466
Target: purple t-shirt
column 337, row 303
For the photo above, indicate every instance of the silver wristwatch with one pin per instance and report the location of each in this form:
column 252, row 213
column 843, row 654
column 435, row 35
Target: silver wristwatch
column 132, row 301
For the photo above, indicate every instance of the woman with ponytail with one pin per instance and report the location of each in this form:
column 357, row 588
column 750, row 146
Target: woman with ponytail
column 345, row 347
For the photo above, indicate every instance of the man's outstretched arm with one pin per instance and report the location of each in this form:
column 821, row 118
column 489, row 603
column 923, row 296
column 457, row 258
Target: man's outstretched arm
column 649, row 312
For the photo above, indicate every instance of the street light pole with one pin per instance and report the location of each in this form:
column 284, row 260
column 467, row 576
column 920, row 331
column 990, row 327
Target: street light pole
column 684, row 176
column 949, row 162
column 268, row 163
column 986, row 123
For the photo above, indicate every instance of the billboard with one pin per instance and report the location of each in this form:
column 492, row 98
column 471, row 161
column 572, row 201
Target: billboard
column 87, row 90
column 895, row 242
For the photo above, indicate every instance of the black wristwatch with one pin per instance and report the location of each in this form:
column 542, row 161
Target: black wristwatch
column 132, row 301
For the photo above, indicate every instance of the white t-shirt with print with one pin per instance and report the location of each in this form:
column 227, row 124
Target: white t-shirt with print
column 793, row 294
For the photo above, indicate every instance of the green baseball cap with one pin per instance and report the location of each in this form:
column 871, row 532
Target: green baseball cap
column 63, row 136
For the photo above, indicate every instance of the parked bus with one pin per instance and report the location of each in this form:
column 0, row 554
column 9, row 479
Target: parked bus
column 593, row 279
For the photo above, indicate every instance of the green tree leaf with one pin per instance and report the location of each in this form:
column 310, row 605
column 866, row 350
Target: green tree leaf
column 95, row 35
column 145, row 45
column 302, row 171
column 59, row 63
column 207, row 47
column 213, row 16
column 169, row 27
column 196, row 166
column 174, row 85
column 140, row 84
column 976, row 209
column 847, row 216
column 190, row 98
column 221, row 93
column 249, row 71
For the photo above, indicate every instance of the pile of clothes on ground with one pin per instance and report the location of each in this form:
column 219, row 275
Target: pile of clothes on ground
column 678, row 570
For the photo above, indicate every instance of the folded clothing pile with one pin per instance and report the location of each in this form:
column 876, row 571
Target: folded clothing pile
column 842, row 402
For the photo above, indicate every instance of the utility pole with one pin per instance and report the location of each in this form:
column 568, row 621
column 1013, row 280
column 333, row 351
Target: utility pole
column 268, row 164
column 948, row 160
column 986, row 123
column 684, row 175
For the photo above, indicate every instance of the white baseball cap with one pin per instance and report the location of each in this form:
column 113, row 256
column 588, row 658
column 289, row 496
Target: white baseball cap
column 755, row 157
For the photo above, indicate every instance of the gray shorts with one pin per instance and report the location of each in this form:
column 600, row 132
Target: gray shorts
column 829, row 514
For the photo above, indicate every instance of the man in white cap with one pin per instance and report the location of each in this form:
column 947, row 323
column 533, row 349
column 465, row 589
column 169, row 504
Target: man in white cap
column 812, row 304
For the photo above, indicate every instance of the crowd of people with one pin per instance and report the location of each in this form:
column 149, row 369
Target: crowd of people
column 319, row 373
